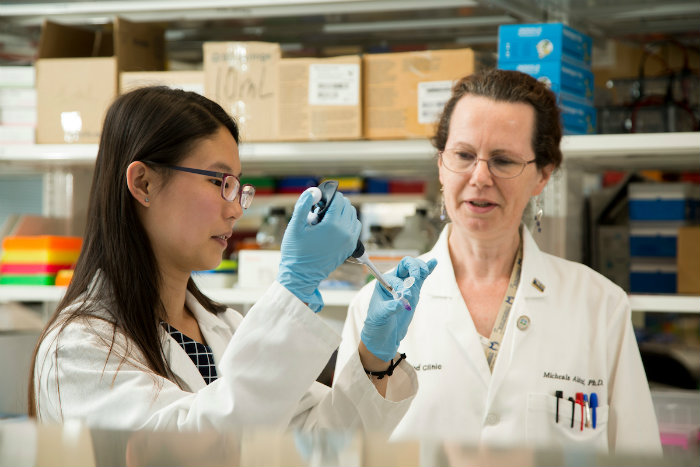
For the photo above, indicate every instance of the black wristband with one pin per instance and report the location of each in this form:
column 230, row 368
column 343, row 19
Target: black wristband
column 389, row 371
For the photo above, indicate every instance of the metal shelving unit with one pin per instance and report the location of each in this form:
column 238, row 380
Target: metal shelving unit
column 590, row 152
column 247, row 297
column 370, row 22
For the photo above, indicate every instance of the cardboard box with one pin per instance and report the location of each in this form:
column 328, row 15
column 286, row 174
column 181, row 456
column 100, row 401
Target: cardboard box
column 242, row 77
column 543, row 42
column 319, row 99
column 77, row 75
column 688, row 260
column 404, row 93
column 185, row 80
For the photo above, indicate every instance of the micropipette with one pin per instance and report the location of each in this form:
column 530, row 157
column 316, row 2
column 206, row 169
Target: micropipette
column 323, row 196
column 361, row 255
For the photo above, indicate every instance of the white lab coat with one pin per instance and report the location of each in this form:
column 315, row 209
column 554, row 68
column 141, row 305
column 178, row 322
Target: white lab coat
column 267, row 364
column 579, row 339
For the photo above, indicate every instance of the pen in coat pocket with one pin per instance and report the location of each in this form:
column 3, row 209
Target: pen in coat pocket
column 594, row 406
column 573, row 407
column 579, row 400
column 558, row 395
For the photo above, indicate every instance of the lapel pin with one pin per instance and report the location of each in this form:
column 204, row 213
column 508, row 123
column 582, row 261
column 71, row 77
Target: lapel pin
column 538, row 285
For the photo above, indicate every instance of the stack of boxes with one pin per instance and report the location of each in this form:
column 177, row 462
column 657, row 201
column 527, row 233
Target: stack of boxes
column 36, row 260
column 17, row 105
column 78, row 70
column 273, row 98
column 657, row 213
column 559, row 56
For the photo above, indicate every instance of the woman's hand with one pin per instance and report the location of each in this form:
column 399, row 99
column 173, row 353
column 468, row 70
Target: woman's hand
column 387, row 319
column 311, row 252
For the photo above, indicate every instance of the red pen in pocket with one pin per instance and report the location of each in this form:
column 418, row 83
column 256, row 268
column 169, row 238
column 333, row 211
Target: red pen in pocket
column 579, row 400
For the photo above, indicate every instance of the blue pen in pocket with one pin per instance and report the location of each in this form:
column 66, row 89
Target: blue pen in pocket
column 593, row 401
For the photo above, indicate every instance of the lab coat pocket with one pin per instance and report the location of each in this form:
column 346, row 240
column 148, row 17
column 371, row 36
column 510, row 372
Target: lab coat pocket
column 544, row 431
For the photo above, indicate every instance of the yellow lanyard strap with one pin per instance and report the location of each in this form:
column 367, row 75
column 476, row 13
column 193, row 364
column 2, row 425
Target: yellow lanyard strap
column 493, row 343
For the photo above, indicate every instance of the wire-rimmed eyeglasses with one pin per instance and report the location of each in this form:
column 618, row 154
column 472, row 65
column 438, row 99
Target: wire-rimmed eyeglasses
column 231, row 187
column 500, row 165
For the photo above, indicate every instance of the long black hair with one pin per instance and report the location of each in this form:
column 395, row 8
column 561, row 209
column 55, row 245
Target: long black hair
column 152, row 124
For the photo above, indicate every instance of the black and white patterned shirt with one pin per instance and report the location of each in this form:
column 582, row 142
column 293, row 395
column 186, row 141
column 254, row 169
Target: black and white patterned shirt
column 200, row 354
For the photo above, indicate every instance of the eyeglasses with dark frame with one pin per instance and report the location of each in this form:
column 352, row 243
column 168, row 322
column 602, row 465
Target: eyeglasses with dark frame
column 499, row 165
column 231, row 187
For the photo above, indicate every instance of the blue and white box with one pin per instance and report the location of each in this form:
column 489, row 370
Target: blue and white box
column 578, row 116
column 559, row 76
column 543, row 42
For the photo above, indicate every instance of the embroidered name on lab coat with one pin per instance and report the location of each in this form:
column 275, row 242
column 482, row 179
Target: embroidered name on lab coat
column 575, row 379
column 427, row 366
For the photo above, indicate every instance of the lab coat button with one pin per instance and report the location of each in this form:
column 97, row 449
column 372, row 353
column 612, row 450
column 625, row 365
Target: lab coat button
column 523, row 322
column 492, row 419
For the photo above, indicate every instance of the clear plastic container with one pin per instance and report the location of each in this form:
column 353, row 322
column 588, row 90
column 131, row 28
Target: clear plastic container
column 271, row 231
column 678, row 415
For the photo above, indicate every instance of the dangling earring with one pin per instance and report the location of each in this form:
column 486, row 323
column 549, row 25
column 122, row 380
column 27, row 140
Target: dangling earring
column 443, row 211
column 538, row 214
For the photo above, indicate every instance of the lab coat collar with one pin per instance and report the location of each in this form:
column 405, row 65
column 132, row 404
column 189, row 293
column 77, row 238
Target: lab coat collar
column 206, row 319
column 441, row 282
column 216, row 334
column 535, row 278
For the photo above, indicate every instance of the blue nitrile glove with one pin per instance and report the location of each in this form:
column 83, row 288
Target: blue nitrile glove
column 311, row 252
column 387, row 320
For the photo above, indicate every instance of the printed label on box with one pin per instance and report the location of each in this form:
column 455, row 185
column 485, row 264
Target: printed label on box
column 432, row 96
column 334, row 84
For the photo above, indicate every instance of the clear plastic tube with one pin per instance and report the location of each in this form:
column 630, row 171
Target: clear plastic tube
column 364, row 259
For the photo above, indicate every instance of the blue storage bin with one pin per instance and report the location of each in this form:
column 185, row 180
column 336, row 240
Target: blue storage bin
column 543, row 42
column 377, row 185
column 672, row 201
column 295, row 184
column 652, row 277
column 654, row 239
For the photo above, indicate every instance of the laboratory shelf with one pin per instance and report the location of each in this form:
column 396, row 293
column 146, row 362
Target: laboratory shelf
column 30, row 293
column 288, row 200
column 642, row 151
column 628, row 151
column 32, row 12
column 666, row 303
column 247, row 296
column 55, row 154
